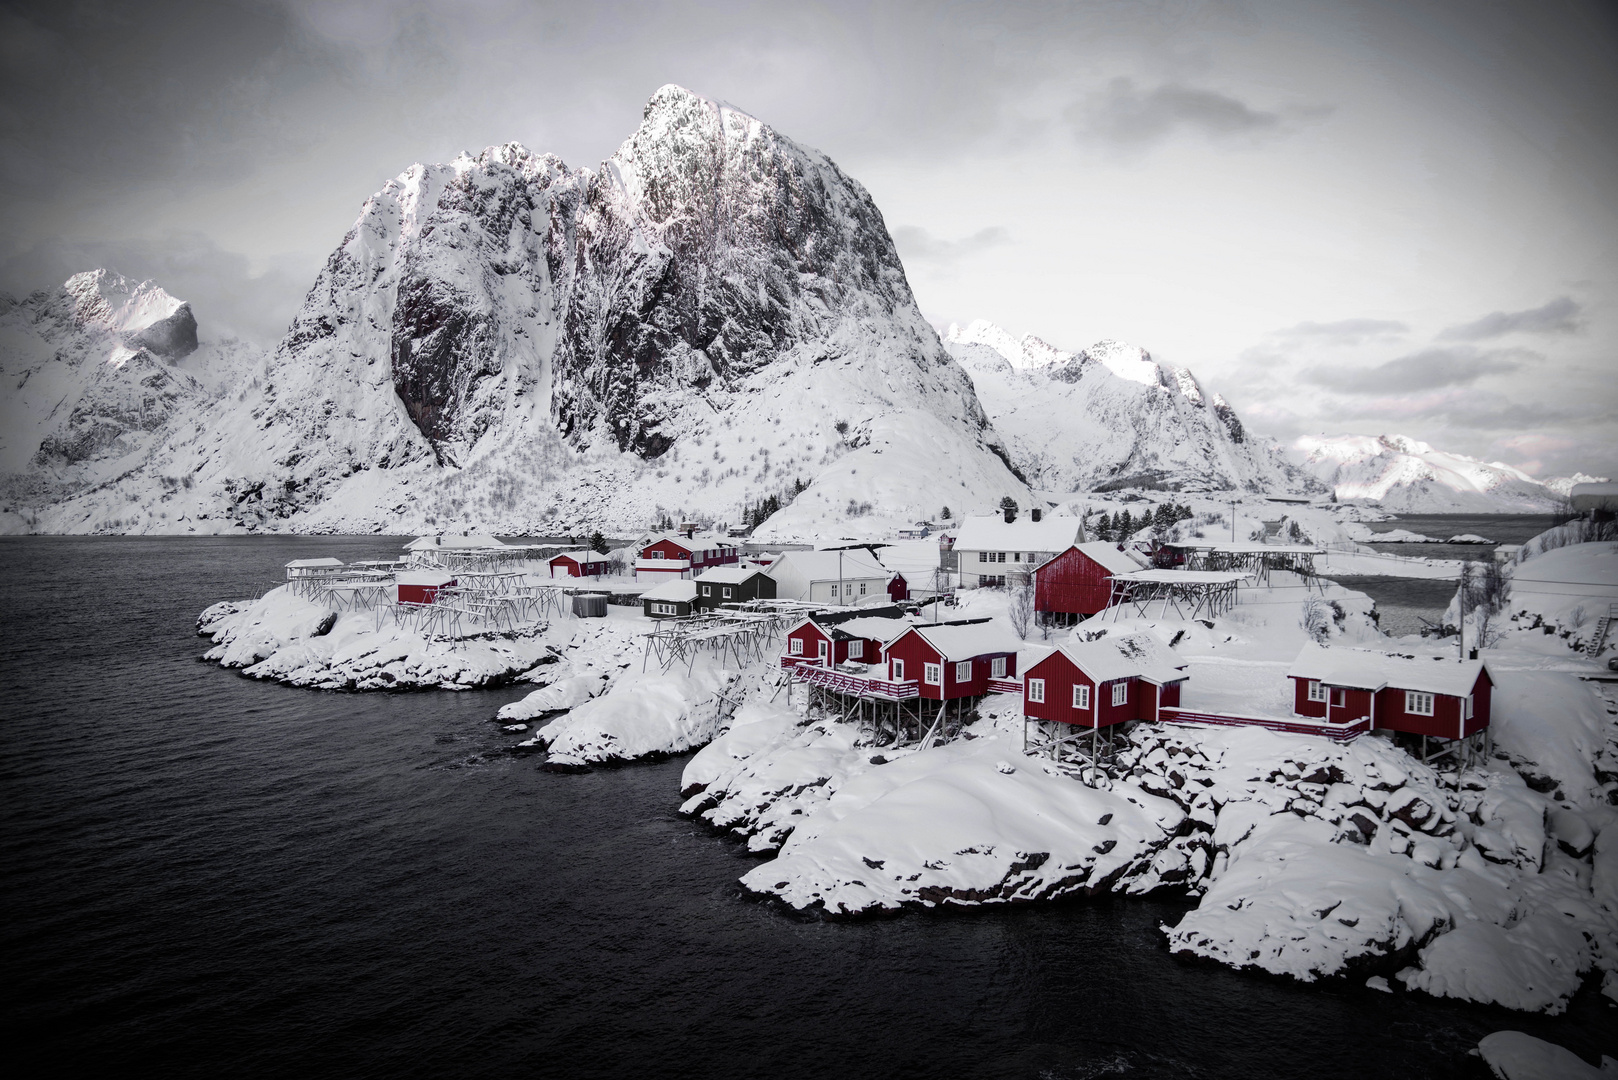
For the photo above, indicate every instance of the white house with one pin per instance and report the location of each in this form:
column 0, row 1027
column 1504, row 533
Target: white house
column 990, row 548
column 831, row 577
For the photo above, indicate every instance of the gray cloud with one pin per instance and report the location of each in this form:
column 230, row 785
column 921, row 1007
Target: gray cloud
column 1561, row 316
column 1127, row 117
column 1345, row 331
column 1430, row 369
column 917, row 243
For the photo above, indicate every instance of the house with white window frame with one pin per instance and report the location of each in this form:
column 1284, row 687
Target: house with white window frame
column 991, row 551
column 850, row 577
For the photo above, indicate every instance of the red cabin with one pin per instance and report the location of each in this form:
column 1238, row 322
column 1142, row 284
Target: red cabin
column 952, row 660
column 1433, row 696
column 898, row 588
column 420, row 586
column 579, row 564
column 1079, row 580
column 682, row 556
column 1098, row 683
column 832, row 638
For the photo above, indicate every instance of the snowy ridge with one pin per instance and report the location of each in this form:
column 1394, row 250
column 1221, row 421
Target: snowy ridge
column 505, row 343
column 1111, row 416
column 1404, row 474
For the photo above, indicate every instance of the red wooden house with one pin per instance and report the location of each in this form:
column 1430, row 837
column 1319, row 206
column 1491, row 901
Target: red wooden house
column 827, row 639
column 952, row 660
column 579, row 564
column 672, row 556
column 1095, row 684
column 898, row 588
column 420, row 586
column 1078, row 581
column 1431, row 696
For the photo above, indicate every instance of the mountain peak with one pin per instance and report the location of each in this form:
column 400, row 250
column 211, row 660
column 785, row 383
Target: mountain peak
column 140, row 313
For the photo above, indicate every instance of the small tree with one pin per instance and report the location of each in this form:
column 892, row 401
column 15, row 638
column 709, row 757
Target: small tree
column 944, row 515
column 1008, row 506
column 1020, row 608
column 1124, row 527
column 1104, row 527
column 598, row 543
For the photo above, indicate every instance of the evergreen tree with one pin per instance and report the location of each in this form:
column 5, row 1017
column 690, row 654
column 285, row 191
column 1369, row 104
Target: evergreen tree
column 1008, row 505
column 945, row 515
column 1104, row 527
column 598, row 543
column 1125, row 527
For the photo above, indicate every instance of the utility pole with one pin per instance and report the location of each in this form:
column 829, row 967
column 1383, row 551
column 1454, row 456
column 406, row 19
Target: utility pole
column 1233, row 519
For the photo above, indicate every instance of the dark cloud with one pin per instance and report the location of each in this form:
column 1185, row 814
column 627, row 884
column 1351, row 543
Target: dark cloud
column 1430, row 369
column 1561, row 316
column 226, row 296
column 917, row 243
column 1345, row 331
column 1128, row 117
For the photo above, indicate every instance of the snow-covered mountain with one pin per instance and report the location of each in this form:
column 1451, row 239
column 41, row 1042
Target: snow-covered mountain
column 504, row 343
column 95, row 373
column 1408, row 476
column 1111, row 416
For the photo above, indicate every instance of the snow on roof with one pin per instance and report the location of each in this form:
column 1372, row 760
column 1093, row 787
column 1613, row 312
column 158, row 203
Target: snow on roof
column 966, row 642
column 910, row 557
column 729, row 575
column 304, row 564
column 679, row 589
column 423, row 577
column 874, row 627
column 1366, row 670
column 580, row 556
column 1104, row 554
column 1133, row 655
column 832, row 565
column 699, row 542
column 468, row 541
column 1024, row 534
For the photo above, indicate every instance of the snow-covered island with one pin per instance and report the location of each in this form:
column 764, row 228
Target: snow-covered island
column 1313, row 849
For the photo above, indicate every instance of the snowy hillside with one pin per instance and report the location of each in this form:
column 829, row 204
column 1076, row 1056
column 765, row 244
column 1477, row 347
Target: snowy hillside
column 506, row 344
column 1404, row 475
column 1111, row 416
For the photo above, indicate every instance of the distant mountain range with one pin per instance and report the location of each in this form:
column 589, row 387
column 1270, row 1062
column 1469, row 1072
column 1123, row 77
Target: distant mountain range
column 715, row 316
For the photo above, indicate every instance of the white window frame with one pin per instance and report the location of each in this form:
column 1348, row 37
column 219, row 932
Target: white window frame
column 834, row 592
column 932, row 674
column 1120, row 693
column 1339, row 697
column 823, row 650
column 725, row 592
column 796, row 648
column 997, row 668
column 1081, row 696
column 999, row 556
column 707, row 590
column 862, row 588
column 963, row 671
column 659, row 607
column 856, row 649
column 983, row 556
column 1036, row 690
column 1466, row 707
column 1317, row 691
column 1419, row 703
column 898, row 669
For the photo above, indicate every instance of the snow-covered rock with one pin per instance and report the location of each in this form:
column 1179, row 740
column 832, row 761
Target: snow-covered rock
column 1405, row 475
column 1514, row 1055
column 712, row 316
column 641, row 715
column 1111, row 416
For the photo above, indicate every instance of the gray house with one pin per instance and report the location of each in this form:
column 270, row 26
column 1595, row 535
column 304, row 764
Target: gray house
column 733, row 585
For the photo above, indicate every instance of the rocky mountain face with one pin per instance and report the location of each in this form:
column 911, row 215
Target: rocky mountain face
column 1110, row 417
column 715, row 315
column 1406, row 475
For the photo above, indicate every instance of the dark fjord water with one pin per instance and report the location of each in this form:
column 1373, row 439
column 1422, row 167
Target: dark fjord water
column 208, row 876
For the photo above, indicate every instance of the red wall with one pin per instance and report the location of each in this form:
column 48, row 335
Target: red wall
column 1073, row 584
column 1445, row 723
column 420, row 594
column 666, row 549
column 913, row 649
column 811, row 637
column 898, row 588
column 1300, row 699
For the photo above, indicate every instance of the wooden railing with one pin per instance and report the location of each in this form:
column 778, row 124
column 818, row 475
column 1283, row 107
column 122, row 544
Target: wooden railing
column 805, row 670
column 1297, row 725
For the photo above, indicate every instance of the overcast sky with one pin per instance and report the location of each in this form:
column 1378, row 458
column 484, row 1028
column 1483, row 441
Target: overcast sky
column 1347, row 217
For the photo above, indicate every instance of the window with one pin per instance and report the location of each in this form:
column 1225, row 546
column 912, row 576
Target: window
column 862, row 588
column 1418, row 703
column 1120, row 692
column 898, row 671
column 983, row 556
column 1081, row 696
column 1466, row 707
column 856, row 649
column 1036, row 690
column 963, row 671
column 1316, row 691
column 824, row 647
column 707, row 590
column 1339, row 697
column 834, row 592
column 796, row 648
column 932, row 674
column 997, row 668
column 727, row 592
column 659, row 608
column 1016, row 556
column 999, row 556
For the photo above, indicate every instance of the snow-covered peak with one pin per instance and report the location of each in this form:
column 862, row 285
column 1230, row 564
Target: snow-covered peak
column 1563, row 485
column 1127, row 362
column 1024, row 354
column 1403, row 473
column 140, row 314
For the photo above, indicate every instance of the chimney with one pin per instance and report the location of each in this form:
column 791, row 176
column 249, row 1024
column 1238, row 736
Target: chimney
column 1036, row 513
column 1011, row 515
